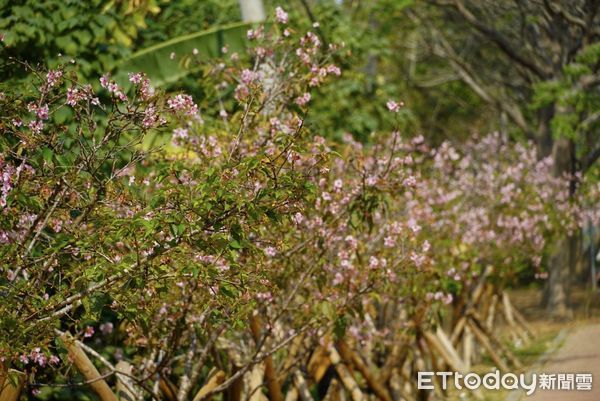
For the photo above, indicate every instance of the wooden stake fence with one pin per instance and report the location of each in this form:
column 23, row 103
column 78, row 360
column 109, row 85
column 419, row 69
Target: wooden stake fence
column 344, row 367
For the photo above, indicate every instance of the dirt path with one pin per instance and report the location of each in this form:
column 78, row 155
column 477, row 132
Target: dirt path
column 580, row 353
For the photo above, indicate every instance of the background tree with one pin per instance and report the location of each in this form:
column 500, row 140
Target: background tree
column 537, row 63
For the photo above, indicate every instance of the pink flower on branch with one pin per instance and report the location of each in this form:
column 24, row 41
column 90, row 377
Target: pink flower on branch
column 135, row 78
column 53, row 77
column 42, row 112
column 303, row 100
column 89, row 331
column 394, row 106
column 183, row 103
column 36, row 126
column 281, row 16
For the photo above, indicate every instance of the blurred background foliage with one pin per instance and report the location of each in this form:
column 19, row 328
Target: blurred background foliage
column 379, row 61
column 408, row 50
column 385, row 58
column 528, row 68
column 95, row 33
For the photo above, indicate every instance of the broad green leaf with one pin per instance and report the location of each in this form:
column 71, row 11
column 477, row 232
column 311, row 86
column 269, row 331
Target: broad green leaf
column 234, row 244
column 157, row 63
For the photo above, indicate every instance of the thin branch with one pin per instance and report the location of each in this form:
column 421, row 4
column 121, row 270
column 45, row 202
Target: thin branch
column 467, row 75
column 501, row 42
column 591, row 159
column 556, row 9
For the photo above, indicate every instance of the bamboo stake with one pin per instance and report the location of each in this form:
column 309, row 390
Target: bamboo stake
column 497, row 343
column 421, row 365
column 446, row 343
column 395, row 384
column 483, row 340
column 474, row 299
column 167, row 388
column 333, row 392
column 398, row 393
column 270, row 373
column 478, row 291
column 520, row 319
column 292, row 394
column 345, row 375
column 436, row 365
column 254, row 382
column 486, row 298
column 507, row 309
column 9, row 392
column 290, row 359
column 124, row 382
column 398, row 355
column 489, row 323
column 510, row 319
column 234, row 392
column 87, row 369
column 458, row 329
column 302, row 387
column 211, row 384
column 406, row 373
column 523, row 322
column 448, row 353
column 318, row 364
column 351, row 356
column 467, row 347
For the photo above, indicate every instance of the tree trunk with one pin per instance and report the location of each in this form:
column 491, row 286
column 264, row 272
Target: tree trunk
column 544, row 131
column 555, row 296
column 564, row 254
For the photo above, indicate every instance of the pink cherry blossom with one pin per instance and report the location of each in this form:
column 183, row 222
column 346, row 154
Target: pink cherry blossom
column 36, row 126
column 135, row 78
column 53, row 77
column 42, row 112
column 281, row 16
column 89, row 331
column 393, row 106
column 304, row 99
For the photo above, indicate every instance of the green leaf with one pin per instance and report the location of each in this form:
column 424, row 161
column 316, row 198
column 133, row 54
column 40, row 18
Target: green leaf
column 47, row 154
column 66, row 44
column 339, row 327
column 229, row 291
column 156, row 61
column 234, row 244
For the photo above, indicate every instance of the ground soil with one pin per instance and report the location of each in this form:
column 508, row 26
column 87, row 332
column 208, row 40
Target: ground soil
column 580, row 353
column 578, row 350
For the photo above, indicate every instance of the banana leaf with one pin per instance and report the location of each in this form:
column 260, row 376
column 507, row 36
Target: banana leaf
column 162, row 69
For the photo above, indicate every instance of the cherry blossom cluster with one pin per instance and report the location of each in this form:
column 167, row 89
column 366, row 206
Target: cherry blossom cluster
column 151, row 252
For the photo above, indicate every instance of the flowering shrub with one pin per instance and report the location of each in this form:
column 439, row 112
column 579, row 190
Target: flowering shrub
column 62, row 201
column 97, row 228
column 490, row 203
column 161, row 255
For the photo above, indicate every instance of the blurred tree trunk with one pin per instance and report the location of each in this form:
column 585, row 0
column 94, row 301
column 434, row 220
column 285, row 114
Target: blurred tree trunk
column 555, row 297
column 535, row 45
column 556, row 291
column 564, row 256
